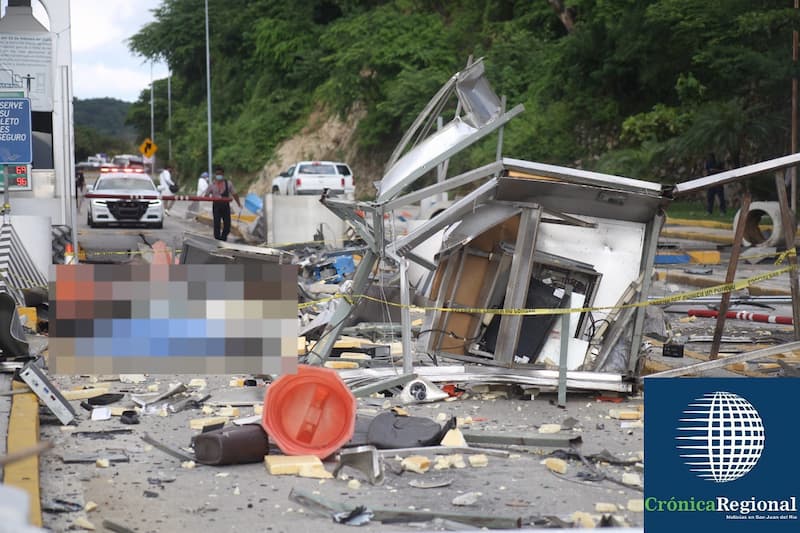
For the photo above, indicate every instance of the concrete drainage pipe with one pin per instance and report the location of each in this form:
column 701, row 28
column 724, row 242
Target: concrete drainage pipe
column 753, row 234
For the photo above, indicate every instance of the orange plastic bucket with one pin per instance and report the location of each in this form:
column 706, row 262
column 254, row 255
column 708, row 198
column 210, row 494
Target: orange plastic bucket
column 309, row 413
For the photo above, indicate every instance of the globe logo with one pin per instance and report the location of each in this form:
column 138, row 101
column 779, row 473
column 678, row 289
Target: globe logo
column 721, row 437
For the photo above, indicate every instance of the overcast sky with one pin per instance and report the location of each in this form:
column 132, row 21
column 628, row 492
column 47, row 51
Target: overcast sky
column 102, row 64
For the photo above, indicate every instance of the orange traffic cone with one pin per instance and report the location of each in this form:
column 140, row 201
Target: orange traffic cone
column 69, row 255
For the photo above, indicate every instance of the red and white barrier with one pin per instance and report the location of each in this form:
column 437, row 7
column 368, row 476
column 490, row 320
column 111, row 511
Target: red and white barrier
column 742, row 315
column 176, row 197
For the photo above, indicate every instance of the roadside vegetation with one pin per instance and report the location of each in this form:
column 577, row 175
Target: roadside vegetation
column 644, row 89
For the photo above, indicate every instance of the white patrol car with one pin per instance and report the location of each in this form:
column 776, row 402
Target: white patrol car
column 115, row 210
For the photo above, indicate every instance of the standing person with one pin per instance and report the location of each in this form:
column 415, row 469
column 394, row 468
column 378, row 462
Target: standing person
column 165, row 185
column 80, row 185
column 222, row 187
column 713, row 167
column 202, row 185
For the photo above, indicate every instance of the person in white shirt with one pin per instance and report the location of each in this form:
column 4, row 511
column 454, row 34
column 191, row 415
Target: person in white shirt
column 164, row 184
column 202, row 183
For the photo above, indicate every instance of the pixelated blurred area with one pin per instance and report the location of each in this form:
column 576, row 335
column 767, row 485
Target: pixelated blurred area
column 172, row 318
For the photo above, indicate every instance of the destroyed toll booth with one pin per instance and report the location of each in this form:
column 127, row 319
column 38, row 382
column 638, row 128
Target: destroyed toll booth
column 512, row 257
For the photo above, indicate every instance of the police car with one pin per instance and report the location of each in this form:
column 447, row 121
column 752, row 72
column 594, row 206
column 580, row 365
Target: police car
column 132, row 200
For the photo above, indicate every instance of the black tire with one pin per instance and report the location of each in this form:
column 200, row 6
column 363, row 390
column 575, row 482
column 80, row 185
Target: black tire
column 276, row 190
column 89, row 221
column 61, row 235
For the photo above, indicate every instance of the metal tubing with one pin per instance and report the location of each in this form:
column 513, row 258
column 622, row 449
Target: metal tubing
column 650, row 249
column 719, row 363
column 788, row 219
column 729, row 277
column 562, row 359
column 405, row 318
column 728, row 176
column 454, row 213
column 444, row 186
column 518, row 282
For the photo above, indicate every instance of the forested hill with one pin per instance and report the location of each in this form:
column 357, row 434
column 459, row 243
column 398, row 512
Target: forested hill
column 644, row 88
column 100, row 126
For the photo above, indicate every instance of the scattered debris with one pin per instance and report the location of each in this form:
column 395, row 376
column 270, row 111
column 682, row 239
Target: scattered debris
column 454, row 439
column 549, row 428
column 419, row 484
column 604, row 507
column 365, row 459
column 556, row 465
column 478, row 461
column 416, row 463
column 470, row 498
column 636, row 505
column 279, row 465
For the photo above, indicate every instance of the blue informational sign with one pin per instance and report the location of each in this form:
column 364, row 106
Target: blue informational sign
column 15, row 131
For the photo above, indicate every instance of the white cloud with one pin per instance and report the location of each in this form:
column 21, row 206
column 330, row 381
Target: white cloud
column 102, row 63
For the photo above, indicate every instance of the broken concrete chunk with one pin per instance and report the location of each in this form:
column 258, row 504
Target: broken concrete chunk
column 315, row 471
column 636, row 505
column 228, row 411
column 355, row 356
column 605, row 507
column 478, row 460
column 207, row 410
column 83, row 523
column 556, row 465
column 549, row 428
column 102, row 463
column 342, row 365
column 454, row 439
column 416, row 463
column 278, row 465
column 188, row 465
column 632, row 478
column 583, row 519
column 354, row 484
column 132, row 378
column 470, row 498
column 197, row 383
column 466, row 421
column 442, row 462
column 625, row 414
column 84, row 394
column 89, row 507
column 200, row 423
column 457, row 460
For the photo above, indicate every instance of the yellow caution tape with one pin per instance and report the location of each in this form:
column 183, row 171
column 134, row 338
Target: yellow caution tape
column 792, row 252
column 708, row 291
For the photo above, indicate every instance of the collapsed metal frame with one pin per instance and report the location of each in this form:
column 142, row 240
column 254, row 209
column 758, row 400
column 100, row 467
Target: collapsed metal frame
column 401, row 173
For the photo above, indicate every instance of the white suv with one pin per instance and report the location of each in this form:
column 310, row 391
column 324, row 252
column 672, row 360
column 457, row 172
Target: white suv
column 313, row 177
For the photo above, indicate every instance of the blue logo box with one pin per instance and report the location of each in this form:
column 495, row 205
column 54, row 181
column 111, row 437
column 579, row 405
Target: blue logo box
column 720, row 454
